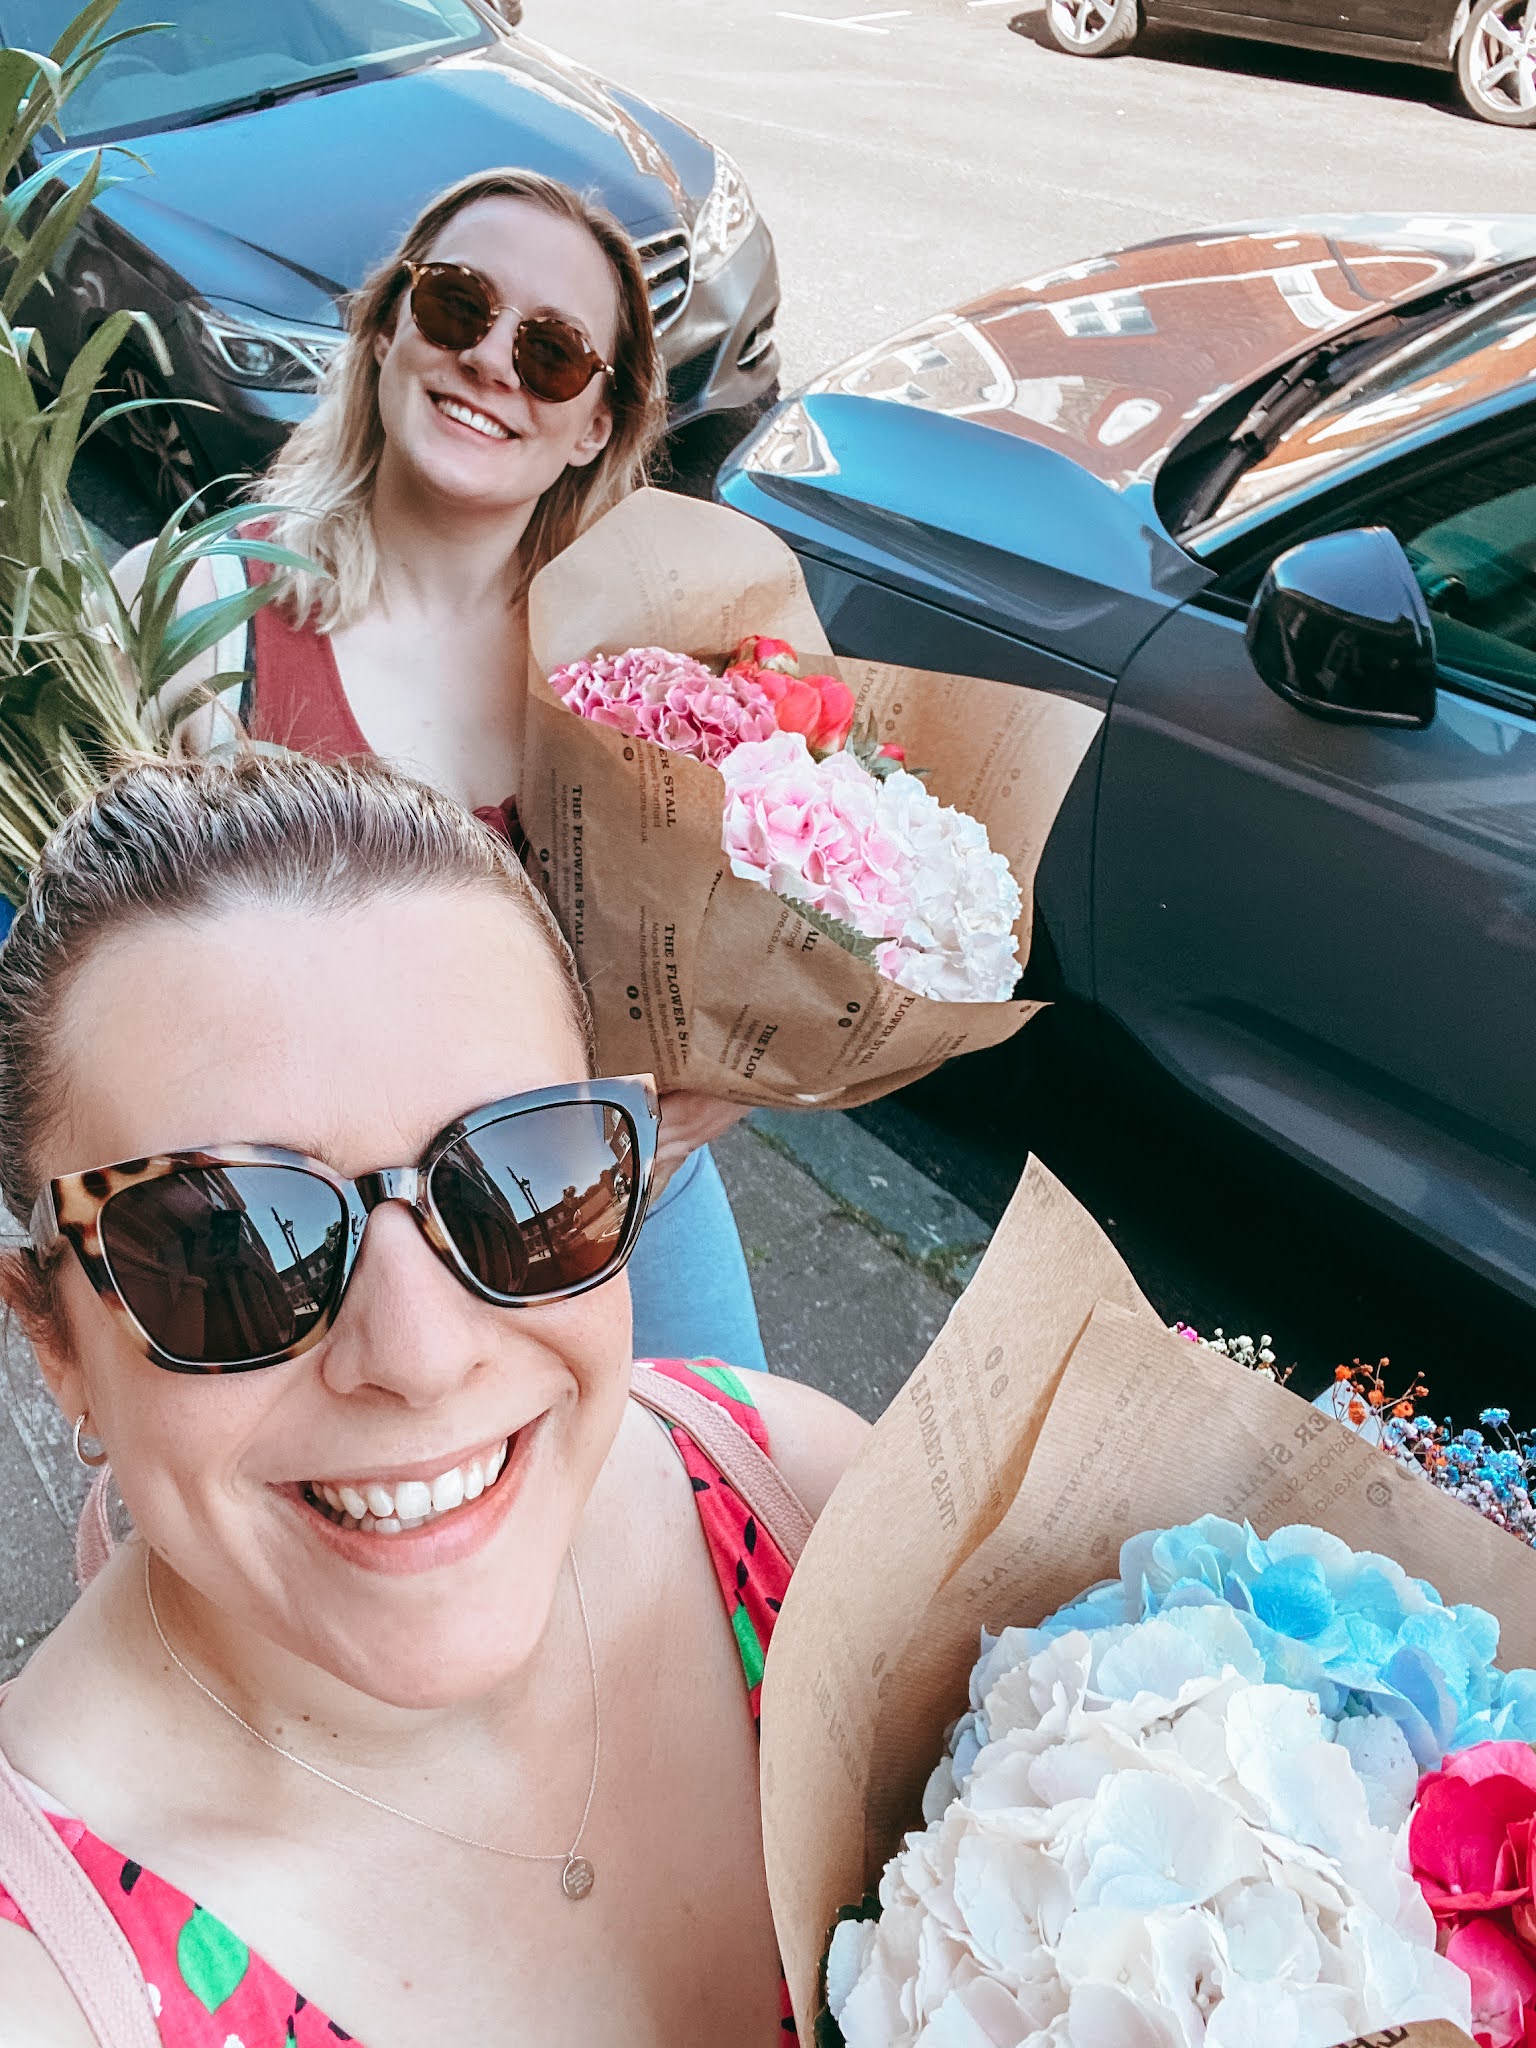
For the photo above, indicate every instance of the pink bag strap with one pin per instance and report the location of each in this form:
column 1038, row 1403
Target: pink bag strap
column 779, row 1510
column 72, row 1921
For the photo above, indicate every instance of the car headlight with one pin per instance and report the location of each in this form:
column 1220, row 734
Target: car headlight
column 724, row 220
column 248, row 348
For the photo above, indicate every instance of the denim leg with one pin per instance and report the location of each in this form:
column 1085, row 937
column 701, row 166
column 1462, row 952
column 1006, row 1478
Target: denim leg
column 688, row 1275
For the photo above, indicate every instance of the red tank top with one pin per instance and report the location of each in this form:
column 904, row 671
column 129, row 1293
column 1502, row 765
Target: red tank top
column 295, row 698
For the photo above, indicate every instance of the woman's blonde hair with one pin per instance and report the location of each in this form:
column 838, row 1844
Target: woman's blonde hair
column 324, row 477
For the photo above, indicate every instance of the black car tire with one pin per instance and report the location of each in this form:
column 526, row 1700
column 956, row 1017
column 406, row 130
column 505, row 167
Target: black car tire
column 1482, row 49
column 1092, row 28
column 162, row 458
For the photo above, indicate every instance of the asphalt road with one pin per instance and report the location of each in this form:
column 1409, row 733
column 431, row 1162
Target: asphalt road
column 910, row 157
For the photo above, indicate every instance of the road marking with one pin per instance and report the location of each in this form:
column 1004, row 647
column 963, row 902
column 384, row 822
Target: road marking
column 863, row 24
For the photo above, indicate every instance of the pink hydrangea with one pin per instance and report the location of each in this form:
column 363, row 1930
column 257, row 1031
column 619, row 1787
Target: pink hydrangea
column 810, row 830
column 883, row 857
column 669, row 699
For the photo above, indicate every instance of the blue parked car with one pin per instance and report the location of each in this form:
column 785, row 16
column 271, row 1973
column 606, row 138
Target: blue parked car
column 286, row 145
column 1266, row 495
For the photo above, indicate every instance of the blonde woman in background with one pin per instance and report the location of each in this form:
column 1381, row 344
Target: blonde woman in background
column 499, row 389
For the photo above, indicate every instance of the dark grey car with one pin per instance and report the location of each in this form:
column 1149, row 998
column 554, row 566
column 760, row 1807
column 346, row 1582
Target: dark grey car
column 283, row 146
column 1268, row 496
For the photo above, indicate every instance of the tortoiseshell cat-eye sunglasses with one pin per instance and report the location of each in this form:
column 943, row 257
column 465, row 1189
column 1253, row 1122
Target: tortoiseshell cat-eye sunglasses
column 231, row 1257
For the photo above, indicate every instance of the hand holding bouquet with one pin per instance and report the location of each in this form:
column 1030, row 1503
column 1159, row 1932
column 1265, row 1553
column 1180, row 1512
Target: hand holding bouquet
column 767, row 904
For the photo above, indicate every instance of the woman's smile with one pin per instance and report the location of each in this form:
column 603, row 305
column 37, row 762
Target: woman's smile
column 399, row 1526
column 473, row 419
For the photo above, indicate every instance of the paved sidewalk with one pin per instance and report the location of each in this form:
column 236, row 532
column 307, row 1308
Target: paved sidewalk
column 855, row 1258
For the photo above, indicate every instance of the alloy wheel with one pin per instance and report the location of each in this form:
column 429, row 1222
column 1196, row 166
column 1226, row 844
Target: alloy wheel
column 1092, row 28
column 1497, row 63
column 157, row 447
column 1081, row 22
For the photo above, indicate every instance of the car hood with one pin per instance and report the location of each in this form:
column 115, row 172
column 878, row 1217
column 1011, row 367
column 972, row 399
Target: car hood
column 288, row 208
column 1113, row 360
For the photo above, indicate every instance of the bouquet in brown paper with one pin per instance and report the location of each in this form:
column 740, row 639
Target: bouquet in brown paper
column 1247, row 1755
column 767, row 901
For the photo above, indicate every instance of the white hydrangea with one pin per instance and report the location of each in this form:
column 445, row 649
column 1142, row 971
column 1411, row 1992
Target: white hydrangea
column 1136, row 1843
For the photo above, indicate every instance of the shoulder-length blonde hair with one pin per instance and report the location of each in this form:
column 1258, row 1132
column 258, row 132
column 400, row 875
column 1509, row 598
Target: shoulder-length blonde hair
column 324, row 477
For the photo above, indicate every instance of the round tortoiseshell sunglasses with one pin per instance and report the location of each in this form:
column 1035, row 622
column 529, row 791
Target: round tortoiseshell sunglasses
column 230, row 1257
column 456, row 308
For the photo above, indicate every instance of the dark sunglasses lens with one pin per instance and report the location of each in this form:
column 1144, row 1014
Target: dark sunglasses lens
column 541, row 1201
column 227, row 1265
column 552, row 360
column 452, row 308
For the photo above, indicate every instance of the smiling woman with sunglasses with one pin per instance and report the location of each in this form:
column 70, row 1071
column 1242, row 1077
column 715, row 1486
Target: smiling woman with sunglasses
column 418, row 1706
column 499, row 389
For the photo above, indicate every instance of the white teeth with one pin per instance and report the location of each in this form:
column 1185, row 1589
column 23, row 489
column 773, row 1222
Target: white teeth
column 448, row 1491
column 467, row 416
column 389, row 1511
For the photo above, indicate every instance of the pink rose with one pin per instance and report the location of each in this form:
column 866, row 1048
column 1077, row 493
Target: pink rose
column 1470, row 1837
column 1503, row 1983
column 759, row 651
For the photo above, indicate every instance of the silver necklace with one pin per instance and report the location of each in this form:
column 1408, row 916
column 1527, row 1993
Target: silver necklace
column 577, row 1876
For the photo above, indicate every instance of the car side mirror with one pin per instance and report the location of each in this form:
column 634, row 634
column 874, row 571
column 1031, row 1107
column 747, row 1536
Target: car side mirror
column 1341, row 630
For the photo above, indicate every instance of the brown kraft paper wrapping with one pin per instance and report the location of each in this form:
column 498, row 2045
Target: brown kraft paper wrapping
column 703, row 979
column 1053, row 1418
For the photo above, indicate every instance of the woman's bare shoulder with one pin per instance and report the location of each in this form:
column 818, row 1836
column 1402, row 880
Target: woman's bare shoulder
column 38, row 2009
column 813, row 1437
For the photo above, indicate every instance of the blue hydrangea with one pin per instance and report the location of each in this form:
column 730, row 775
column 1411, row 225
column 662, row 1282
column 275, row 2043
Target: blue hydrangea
column 1350, row 1626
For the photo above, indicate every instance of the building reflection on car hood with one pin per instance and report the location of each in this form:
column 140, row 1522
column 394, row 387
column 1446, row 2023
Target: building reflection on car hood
column 1113, row 360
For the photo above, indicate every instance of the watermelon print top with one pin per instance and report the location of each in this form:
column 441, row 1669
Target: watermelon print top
column 208, row 1989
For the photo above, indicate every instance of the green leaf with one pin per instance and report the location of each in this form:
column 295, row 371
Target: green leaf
column 44, row 242
column 194, row 632
column 212, row 1961
column 840, row 934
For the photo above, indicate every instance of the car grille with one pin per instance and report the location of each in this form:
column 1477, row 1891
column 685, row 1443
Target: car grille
column 667, row 261
column 686, row 380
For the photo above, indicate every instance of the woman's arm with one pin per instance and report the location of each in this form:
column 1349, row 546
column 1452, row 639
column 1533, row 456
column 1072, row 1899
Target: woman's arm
column 813, row 1437
column 197, row 733
column 37, row 2009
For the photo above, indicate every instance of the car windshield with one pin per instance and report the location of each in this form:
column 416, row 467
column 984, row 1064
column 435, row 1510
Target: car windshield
column 1473, row 354
column 224, row 53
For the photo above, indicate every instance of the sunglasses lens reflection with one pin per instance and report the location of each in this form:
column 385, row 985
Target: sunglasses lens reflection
column 452, row 308
column 225, row 1265
column 539, row 1202
column 553, row 360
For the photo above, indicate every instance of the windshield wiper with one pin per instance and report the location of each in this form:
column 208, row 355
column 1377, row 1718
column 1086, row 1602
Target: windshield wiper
column 1304, row 383
column 271, row 96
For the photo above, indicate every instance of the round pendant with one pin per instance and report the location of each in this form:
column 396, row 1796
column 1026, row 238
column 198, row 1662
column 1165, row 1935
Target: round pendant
column 578, row 1877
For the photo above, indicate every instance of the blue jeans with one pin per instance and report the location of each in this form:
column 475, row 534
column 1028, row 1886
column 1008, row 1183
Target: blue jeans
column 688, row 1275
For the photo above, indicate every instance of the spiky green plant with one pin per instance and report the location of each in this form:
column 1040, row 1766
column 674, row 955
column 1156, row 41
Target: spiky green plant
column 82, row 676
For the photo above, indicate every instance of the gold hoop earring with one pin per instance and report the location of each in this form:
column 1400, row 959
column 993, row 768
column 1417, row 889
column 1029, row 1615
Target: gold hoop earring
column 89, row 1460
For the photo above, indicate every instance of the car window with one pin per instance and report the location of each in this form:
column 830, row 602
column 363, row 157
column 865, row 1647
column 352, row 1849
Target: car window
column 221, row 50
column 1471, row 537
column 1468, row 527
column 1475, row 354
